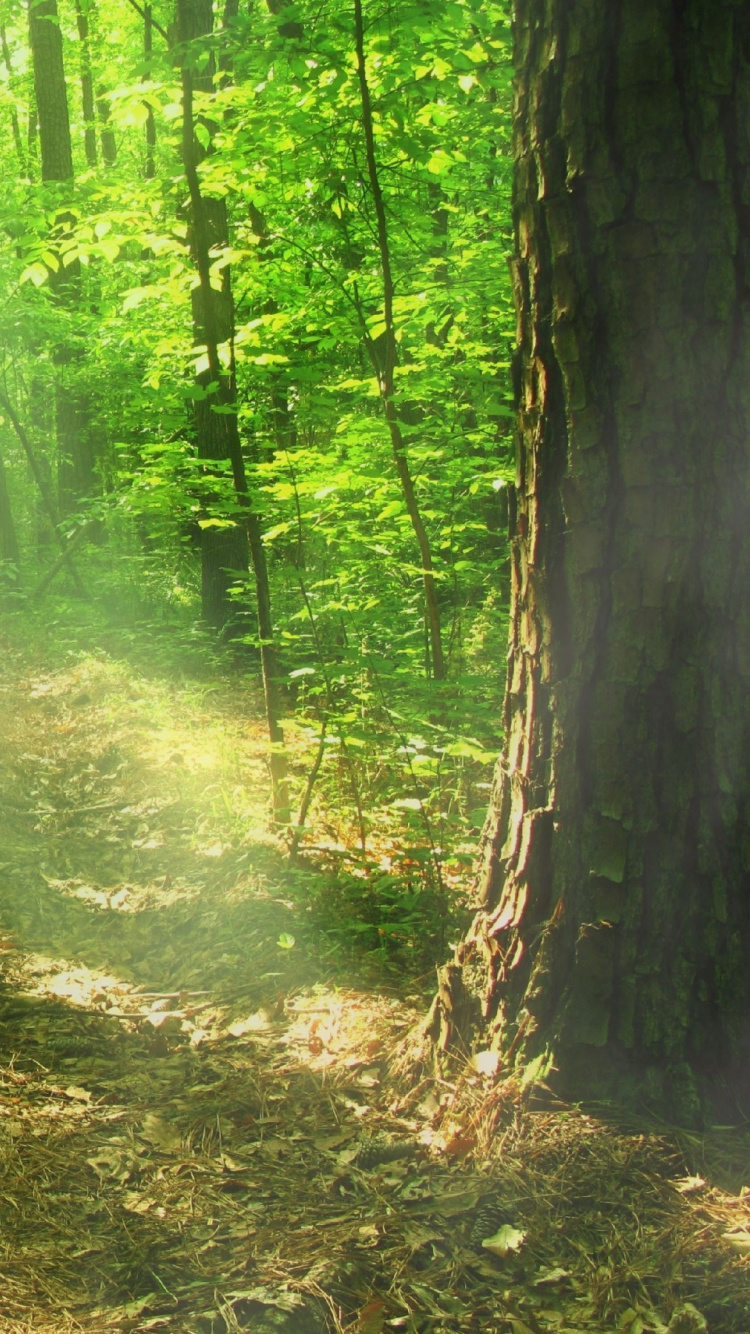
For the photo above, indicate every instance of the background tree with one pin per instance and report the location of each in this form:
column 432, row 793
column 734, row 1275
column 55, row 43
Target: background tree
column 75, row 460
column 614, row 929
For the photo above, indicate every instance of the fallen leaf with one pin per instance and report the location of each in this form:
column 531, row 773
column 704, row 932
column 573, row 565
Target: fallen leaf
column 739, row 1241
column 255, row 1023
column 506, row 1239
column 158, row 1132
column 136, row 1203
column 231, row 1164
column 371, row 1318
column 140, row 1304
column 459, row 1203
column 78, row 1095
column 459, row 1145
column 547, row 1278
column 486, row 1063
column 429, row 1108
column 368, row 1235
column 687, row 1185
column 166, row 1021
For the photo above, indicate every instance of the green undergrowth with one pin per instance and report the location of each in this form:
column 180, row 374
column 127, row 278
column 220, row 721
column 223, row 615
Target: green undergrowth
column 411, row 790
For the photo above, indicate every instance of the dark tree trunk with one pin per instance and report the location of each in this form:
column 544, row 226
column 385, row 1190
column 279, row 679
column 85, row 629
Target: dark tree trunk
column 9, row 551
column 75, row 452
column 385, row 366
column 148, row 50
column 225, row 551
column 106, row 133
column 51, row 93
column 87, row 85
column 613, row 935
column 14, row 121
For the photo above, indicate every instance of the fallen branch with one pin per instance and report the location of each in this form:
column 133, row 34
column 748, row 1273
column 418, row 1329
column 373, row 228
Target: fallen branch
column 44, row 490
column 71, row 545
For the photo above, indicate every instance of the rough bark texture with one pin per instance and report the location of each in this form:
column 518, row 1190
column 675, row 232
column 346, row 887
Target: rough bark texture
column 614, row 929
column 51, row 94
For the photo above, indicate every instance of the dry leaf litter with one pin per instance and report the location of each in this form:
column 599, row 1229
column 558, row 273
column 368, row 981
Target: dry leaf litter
column 198, row 1130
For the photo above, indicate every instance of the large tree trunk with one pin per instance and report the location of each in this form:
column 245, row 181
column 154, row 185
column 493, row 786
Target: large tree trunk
column 51, row 93
column 613, row 935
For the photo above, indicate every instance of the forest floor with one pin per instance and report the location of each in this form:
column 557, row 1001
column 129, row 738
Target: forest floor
column 198, row 1126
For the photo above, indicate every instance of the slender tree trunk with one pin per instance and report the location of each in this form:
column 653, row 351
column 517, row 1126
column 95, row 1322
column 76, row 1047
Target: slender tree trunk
column 87, row 84
column 148, row 48
column 385, row 368
column 32, row 132
column 45, row 493
column 75, row 453
column 614, row 929
column 9, row 550
column 224, row 550
column 106, row 133
column 14, row 121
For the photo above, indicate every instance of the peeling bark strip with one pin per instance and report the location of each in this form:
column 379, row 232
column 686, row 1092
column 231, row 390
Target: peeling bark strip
column 614, row 929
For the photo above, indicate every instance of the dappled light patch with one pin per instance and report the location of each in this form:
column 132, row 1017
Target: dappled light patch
column 346, row 1030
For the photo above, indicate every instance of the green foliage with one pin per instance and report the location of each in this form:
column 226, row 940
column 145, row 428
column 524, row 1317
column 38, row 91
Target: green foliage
column 406, row 760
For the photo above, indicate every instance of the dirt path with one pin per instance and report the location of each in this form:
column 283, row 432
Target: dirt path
column 161, row 1007
column 196, row 1127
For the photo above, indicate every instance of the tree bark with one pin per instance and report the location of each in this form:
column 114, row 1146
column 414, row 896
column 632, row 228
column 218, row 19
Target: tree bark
column 75, row 451
column 224, row 551
column 87, row 85
column 37, row 469
column 613, row 931
column 106, row 133
column 148, row 50
column 51, row 92
column 14, row 121
column 9, row 550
